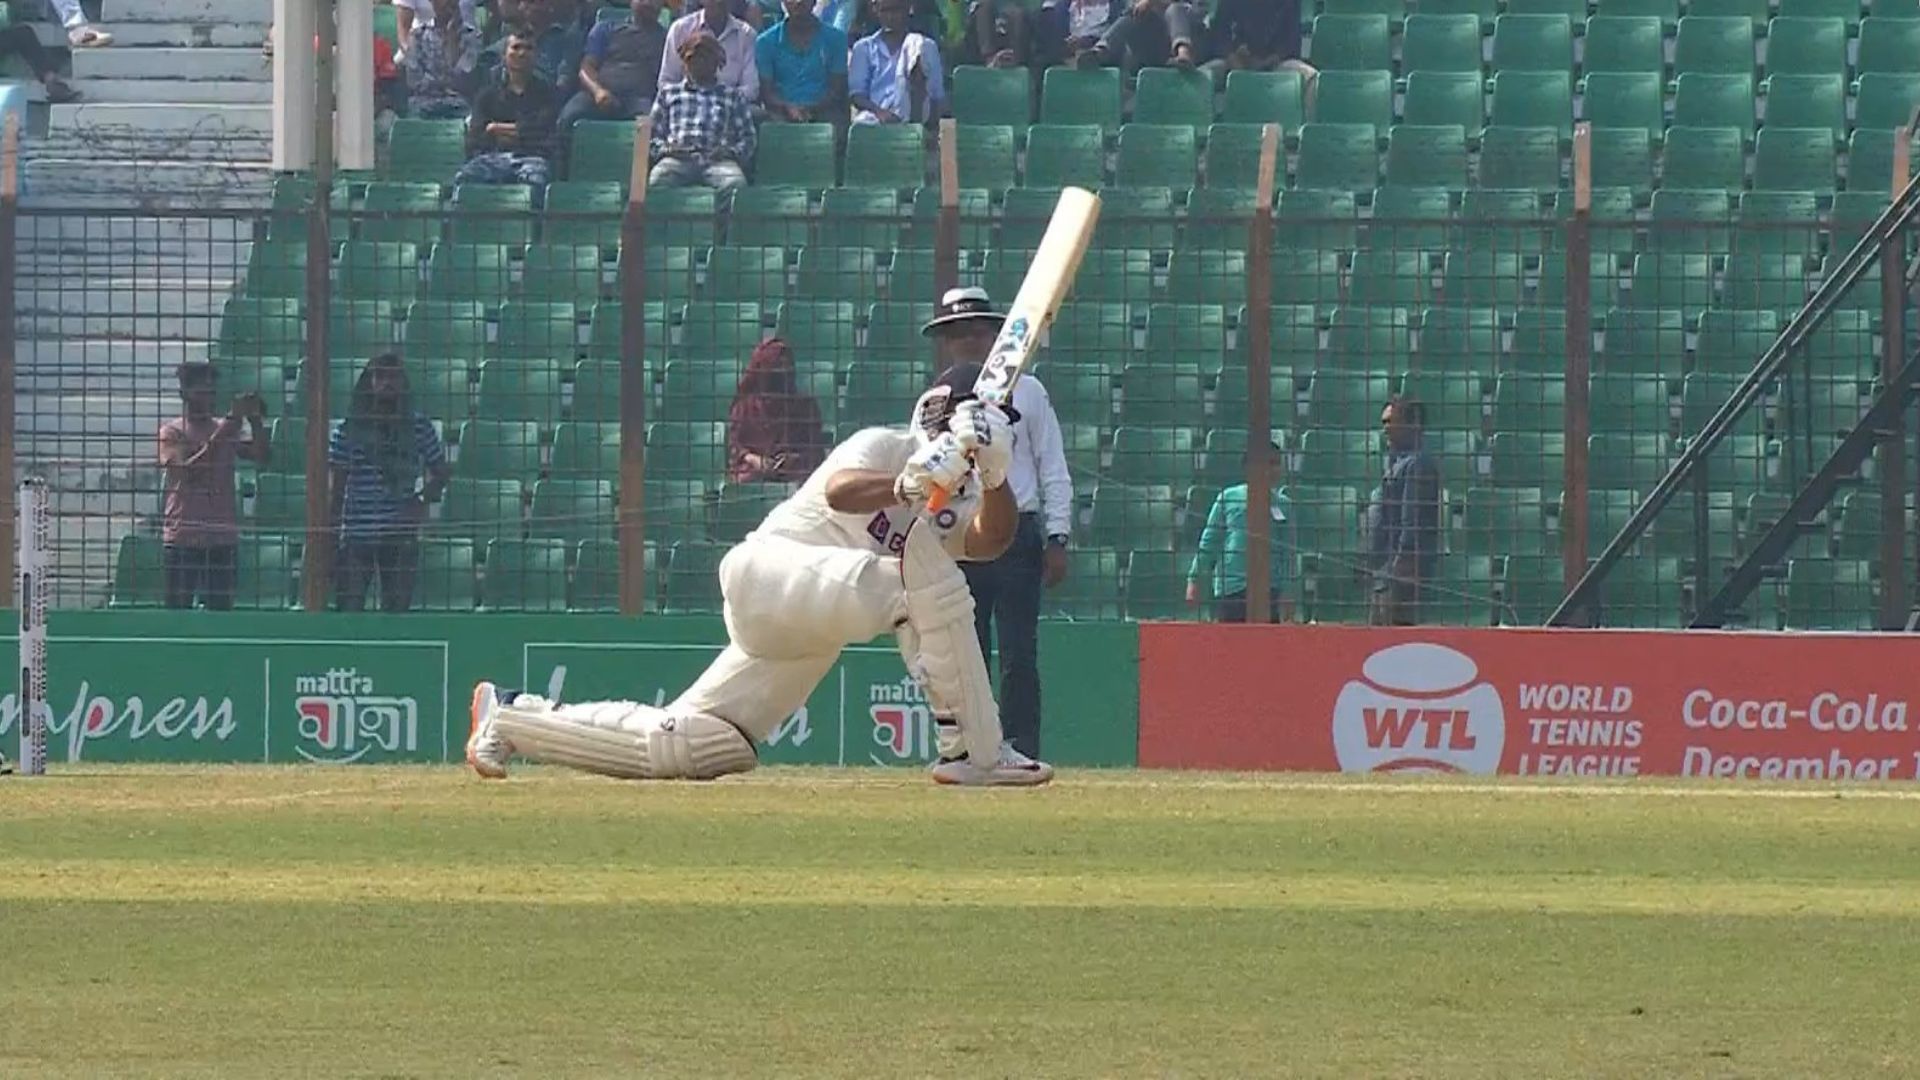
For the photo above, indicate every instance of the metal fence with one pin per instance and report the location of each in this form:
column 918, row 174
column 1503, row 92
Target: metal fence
column 578, row 359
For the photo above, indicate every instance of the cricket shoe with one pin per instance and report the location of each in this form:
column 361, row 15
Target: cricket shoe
column 487, row 749
column 1014, row 769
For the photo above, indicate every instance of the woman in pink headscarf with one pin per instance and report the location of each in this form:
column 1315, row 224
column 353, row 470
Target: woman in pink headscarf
column 773, row 430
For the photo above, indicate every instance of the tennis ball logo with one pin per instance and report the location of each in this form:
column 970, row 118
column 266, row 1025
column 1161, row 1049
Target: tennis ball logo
column 1416, row 707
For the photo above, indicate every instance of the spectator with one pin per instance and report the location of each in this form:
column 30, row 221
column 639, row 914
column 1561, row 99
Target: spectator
column 386, row 464
column 1130, row 36
column 442, row 54
column 81, row 34
column 389, row 84
column 410, row 15
column 559, row 42
column 197, row 452
column 1255, row 35
column 1066, row 28
column 739, row 66
column 1221, row 561
column 996, row 33
column 803, row 68
column 20, row 40
column 895, row 74
column 1007, row 591
column 1404, row 517
column 702, row 130
column 621, row 70
column 511, row 131
column 773, row 428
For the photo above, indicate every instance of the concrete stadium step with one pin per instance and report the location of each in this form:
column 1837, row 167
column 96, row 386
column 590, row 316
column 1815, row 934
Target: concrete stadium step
column 163, row 120
column 117, row 12
column 134, row 35
column 133, row 144
column 40, row 231
column 57, row 180
column 181, row 92
column 124, row 296
column 174, row 66
column 202, row 261
column 108, row 415
column 120, row 327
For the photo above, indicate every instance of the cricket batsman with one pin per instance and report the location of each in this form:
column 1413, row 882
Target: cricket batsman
column 853, row 554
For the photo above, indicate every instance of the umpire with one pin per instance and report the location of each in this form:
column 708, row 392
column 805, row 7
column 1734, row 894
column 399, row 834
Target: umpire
column 1006, row 591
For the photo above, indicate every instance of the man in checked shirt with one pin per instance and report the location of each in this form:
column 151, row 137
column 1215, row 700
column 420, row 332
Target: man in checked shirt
column 702, row 131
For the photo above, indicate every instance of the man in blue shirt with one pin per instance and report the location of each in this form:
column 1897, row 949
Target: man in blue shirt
column 803, row 68
column 895, row 75
column 1404, row 519
column 385, row 464
column 621, row 69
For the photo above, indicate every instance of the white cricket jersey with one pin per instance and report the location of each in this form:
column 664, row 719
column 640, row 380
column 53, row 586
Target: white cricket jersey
column 806, row 517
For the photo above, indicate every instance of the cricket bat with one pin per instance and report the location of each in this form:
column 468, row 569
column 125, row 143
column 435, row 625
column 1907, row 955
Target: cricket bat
column 1049, row 279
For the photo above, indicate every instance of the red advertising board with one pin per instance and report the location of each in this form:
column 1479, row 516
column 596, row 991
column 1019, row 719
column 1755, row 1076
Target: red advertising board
column 1556, row 702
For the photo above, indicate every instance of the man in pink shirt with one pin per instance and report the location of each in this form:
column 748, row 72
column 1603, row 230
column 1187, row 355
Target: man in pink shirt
column 197, row 455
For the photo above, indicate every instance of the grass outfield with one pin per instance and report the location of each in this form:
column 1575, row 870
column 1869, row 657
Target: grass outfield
column 345, row 923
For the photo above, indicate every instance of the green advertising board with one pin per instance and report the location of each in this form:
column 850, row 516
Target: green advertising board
column 295, row 687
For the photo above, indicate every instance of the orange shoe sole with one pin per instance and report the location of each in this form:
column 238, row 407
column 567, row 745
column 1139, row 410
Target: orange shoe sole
column 486, row 772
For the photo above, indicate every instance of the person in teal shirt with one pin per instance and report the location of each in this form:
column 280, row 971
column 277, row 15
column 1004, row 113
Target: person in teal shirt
column 1221, row 562
column 803, row 68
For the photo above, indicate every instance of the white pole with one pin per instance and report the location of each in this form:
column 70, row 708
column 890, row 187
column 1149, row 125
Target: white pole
column 31, row 596
column 353, row 85
column 293, row 75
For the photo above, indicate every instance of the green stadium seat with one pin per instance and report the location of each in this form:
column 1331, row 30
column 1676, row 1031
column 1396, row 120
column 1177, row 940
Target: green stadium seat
column 1552, row 287
column 1232, row 157
column 1793, row 159
column 1832, row 594
column 721, row 331
column 1806, row 46
column 1338, row 156
column 1411, row 217
column 893, row 331
column 1484, row 10
column 1667, row 11
column 923, row 226
column 374, row 270
column 1533, row 99
column 1809, row 101
column 1672, row 279
column 1454, row 340
column 740, row 508
column 1441, row 43
column 359, row 327
column 1391, row 277
column 1528, row 403
column 444, row 392
column 1156, row 583
column 492, row 214
column 1455, row 402
column 1349, row 458
column 1625, row 100
column 1857, row 534
column 1644, row 342
column 821, row 332
column 1539, row 342
column 446, row 579
column 526, row 575
column 584, row 451
column 1369, row 339
column 1351, row 43
column 1870, row 165
column 595, row 585
column 1156, row 155
column 1532, row 43
column 1075, row 96
column 277, row 268
column 1623, row 44
column 481, row 273
column 838, row 273
column 681, row 217
column 991, row 97
column 1826, row 407
column 522, row 389
column 479, row 510
column 770, row 216
column 139, row 572
column 500, row 450
column 795, row 155
column 562, row 272
column 1714, row 45
column 1886, row 99
column 1355, row 98
column 694, row 390
column 279, row 503
column 1510, row 519
column 1092, row 334
column 867, row 217
column 1766, row 281
column 1714, row 101
column 1308, row 219
column 1138, row 516
column 1506, row 220
column 1217, row 220
column 1061, row 155
column 881, row 394
column 668, row 273
column 1118, row 276
column 1463, row 590
column 1302, row 276
column 583, row 212
column 538, row 330
column 429, row 150
column 1629, row 404
column 1394, row 11
column 1728, row 342
column 691, row 581
column 445, row 329
column 1704, row 392
column 1482, row 277
column 985, row 157
column 1326, row 518
column 1156, row 455
column 1138, row 217
column 686, row 449
column 677, row 509
column 887, row 156
column 747, row 273
column 288, row 446
column 1847, row 11
column 1265, row 97
column 1575, row 11
column 1889, row 45
column 1172, row 96
column 1198, row 276
column 1623, row 158
column 1520, row 159
column 601, row 150
column 1446, row 97
column 1843, row 346
column 1426, row 157
column 1082, row 395
column 264, row 577
column 1705, row 158
column 401, row 211
column 1187, row 336
column 1095, row 584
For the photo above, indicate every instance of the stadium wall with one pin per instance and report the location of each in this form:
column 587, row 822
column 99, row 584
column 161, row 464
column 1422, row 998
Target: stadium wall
column 152, row 686
column 1529, row 702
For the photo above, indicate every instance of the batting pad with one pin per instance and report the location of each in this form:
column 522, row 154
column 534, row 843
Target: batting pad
column 627, row 740
column 940, row 646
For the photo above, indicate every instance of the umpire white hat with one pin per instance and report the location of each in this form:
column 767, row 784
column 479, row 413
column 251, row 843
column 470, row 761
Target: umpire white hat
column 963, row 305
